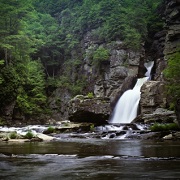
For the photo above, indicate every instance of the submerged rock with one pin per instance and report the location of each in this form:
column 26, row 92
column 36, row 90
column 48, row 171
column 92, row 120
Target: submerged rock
column 44, row 137
column 168, row 137
column 172, row 136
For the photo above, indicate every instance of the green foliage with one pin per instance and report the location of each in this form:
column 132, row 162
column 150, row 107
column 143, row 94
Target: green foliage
column 31, row 97
column 92, row 127
column 50, row 130
column 39, row 37
column 10, row 82
column 21, row 80
column 2, row 122
column 90, row 95
column 100, row 55
column 12, row 43
column 172, row 73
column 1, row 62
column 65, row 82
column 132, row 39
column 29, row 135
column 110, row 20
column 125, row 20
column 172, row 106
column 13, row 135
column 164, row 127
column 78, row 86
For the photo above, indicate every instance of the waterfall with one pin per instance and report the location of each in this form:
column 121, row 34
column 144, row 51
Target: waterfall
column 149, row 65
column 127, row 106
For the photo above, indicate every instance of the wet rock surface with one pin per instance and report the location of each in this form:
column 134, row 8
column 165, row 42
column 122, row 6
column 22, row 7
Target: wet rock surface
column 88, row 131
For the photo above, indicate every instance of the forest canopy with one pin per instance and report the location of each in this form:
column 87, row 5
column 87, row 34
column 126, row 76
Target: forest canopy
column 38, row 36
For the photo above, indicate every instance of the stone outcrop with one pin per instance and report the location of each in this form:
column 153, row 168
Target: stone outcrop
column 172, row 16
column 157, row 55
column 58, row 103
column 152, row 96
column 110, row 75
column 84, row 109
column 160, row 115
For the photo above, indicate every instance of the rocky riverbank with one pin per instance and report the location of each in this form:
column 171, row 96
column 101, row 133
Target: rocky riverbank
column 69, row 130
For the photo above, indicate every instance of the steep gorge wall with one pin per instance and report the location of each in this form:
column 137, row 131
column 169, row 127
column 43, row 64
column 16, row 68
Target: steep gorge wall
column 122, row 63
column 165, row 43
column 119, row 73
column 109, row 79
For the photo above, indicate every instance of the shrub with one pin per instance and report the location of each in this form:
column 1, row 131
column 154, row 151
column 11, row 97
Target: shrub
column 2, row 122
column 100, row 55
column 50, row 130
column 13, row 135
column 90, row 95
column 29, row 135
column 164, row 127
column 92, row 127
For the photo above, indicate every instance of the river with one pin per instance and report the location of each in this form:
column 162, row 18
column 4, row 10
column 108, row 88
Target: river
column 98, row 159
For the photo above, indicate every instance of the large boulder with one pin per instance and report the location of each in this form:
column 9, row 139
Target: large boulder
column 152, row 96
column 84, row 109
column 160, row 115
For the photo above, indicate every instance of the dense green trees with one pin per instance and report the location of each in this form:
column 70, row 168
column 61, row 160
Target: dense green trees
column 31, row 97
column 172, row 73
column 125, row 19
column 21, row 79
column 37, row 37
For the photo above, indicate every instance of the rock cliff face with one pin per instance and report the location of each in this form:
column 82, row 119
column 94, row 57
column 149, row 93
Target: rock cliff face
column 108, row 81
column 121, row 64
column 172, row 43
column 165, row 42
column 152, row 96
column 120, row 71
column 58, row 102
column 172, row 16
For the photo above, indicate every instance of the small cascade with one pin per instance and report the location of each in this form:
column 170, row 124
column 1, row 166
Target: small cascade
column 122, row 131
column 127, row 106
column 149, row 65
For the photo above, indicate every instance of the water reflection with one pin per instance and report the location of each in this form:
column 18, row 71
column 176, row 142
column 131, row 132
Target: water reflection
column 90, row 159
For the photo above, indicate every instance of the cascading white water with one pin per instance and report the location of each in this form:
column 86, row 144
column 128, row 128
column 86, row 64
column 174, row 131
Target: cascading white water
column 127, row 106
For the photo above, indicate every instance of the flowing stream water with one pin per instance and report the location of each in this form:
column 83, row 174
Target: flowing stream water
column 79, row 159
column 149, row 65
